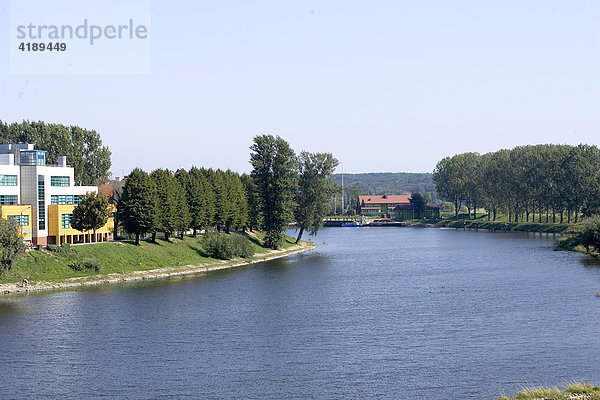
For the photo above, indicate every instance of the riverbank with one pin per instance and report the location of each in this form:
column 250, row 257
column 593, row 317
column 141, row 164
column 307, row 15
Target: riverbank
column 573, row 391
column 495, row 225
column 125, row 262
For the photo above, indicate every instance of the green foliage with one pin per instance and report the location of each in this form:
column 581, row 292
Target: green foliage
column 199, row 196
column 386, row 183
column 582, row 390
column 590, row 234
column 274, row 173
column 172, row 208
column 62, row 249
column 231, row 207
column 418, row 202
column 11, row 244
column 86, row 264
column 91, row 213
column 226, row 246
column 527, row 181
column 83, row 148
column 253, row 202
column 138, row 205
column 314, row 190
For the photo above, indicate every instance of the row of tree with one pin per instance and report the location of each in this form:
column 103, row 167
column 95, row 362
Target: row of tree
column 527, row 181
column 167, row 202
column 281, row 188
column 83, row 147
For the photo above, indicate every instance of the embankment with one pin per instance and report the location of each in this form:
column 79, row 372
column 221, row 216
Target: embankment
column 124, row 262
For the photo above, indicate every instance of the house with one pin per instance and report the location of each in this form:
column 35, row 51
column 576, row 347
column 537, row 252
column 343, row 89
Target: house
column 394, row 206
column 377, row 205
column 40, row 198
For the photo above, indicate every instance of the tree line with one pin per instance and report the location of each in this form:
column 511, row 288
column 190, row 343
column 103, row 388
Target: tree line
column 281, row 188
column 549, row 182
column 85, row 152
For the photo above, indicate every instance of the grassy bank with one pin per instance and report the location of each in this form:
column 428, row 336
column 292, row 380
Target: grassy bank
column 501, row 224
column 574, row 391
column 118, row 257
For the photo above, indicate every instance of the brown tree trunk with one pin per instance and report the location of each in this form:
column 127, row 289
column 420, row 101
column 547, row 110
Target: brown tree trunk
column 299, row 235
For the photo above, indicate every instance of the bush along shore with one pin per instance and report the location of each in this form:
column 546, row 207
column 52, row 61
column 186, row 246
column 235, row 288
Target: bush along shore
column 586, row 239
column 573, row 391
column 500, row 225
column 63, row 267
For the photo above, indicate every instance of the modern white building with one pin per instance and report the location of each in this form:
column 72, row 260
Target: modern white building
column 26, row 180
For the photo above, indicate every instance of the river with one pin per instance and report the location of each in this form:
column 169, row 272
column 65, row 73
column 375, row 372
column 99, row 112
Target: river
column 401, row 313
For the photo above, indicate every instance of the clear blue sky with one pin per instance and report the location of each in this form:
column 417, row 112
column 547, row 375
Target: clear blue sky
column 383, row 85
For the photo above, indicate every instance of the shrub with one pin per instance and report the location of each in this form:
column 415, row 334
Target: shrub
column 87, row 264
column 590, row 236
column 11, row 244
column 226, row 246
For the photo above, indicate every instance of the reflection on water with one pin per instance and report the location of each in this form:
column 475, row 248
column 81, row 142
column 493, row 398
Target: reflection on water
column 373, row 312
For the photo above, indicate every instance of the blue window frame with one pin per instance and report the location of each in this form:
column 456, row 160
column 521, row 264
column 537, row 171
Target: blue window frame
column 59, row 181
column 65, row 199
column 33, row 157
column 41, row 203
column 8, row 180
column 8, row 199
column 65, row 219
column 19, row 220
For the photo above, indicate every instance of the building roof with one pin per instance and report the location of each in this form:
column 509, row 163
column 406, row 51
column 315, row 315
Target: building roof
column 385, row 199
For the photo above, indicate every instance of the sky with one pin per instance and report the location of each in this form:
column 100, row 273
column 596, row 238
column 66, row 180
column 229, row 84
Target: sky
column 384, row 85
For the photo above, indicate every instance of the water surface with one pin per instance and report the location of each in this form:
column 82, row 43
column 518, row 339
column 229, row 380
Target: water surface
column 371, row 313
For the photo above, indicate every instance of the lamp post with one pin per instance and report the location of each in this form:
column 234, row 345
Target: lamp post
column 21, row 219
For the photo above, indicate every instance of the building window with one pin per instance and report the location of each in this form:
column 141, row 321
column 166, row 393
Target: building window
column 66, row 220
column 19, row 220
column 8, row 199
column 59, row 181
column 65, row 199
column 41, row 203
column 33, row 157
column 8, row 180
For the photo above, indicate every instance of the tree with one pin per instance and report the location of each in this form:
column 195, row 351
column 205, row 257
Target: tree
column 139, row 204
column 314, row 190
column 274, row 174
column 204, row 215
column 253, row 201
column 11, row 244
column 238, row 216
column 418, row 202
column 172, row 213
column 91, row 213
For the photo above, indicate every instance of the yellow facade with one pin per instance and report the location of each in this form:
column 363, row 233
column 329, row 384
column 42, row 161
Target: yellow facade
column 60, row 230
column 21, row 214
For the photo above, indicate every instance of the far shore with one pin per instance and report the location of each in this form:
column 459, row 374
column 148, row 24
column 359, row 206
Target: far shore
column 158, row 273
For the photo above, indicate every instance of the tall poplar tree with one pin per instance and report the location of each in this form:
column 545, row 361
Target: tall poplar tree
column 205, row 213
column 253, row 202
column 138, row 204
column 274, row 173
column 315, row 187
column 172, row 208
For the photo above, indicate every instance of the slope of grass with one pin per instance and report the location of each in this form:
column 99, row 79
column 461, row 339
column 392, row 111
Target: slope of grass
column 119, row 257
column 575, row 390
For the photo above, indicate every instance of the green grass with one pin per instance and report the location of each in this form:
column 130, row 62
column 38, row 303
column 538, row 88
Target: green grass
column 119, row 257
column 501, row 224
column 575, row 390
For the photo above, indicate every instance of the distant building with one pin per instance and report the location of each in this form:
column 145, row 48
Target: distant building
column 377, row 205
column 40, row 198
column 394, row 206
